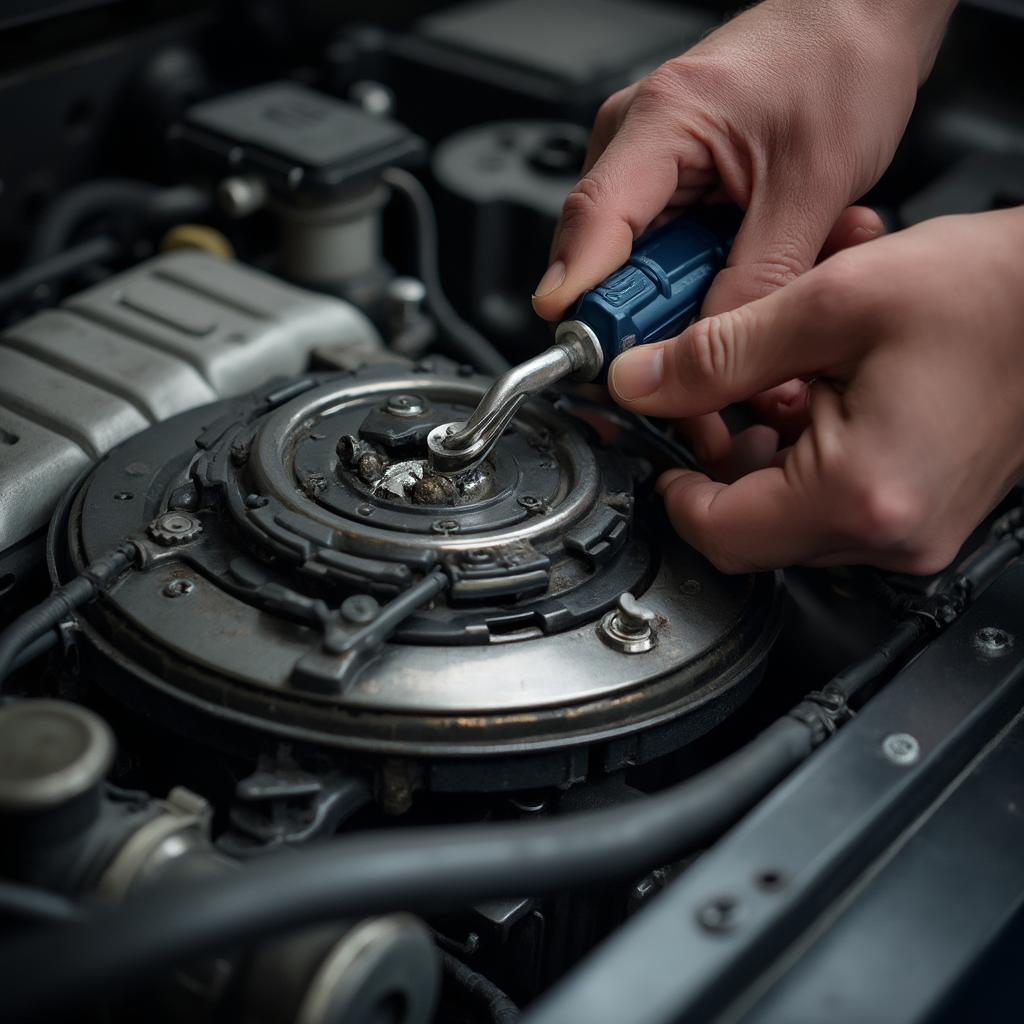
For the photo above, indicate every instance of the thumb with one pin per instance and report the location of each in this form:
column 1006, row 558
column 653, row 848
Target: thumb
column 779, row 240
column 632, row 181
column 736, row 354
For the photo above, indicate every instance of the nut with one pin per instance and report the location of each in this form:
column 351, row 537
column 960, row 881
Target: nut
column 174, row 528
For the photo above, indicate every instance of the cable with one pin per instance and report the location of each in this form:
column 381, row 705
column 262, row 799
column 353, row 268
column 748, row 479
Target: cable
column 36, row 649
column 91, row 199
column 36, row 622
column 425, row 870
column 479, row 989
column 466, row 341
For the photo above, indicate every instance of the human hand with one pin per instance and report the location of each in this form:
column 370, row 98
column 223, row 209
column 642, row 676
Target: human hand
column 914, row 414
column 791, row 110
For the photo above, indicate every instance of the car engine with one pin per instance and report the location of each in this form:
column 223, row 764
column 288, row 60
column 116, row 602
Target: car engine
column 295, row 728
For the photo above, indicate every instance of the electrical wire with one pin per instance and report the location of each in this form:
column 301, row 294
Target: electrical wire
column 465, row 340
column 38, row 621
column 479, row 989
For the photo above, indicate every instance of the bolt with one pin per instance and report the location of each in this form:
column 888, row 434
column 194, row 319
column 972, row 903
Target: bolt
column 179, row 588
column 445, row 526
column 479, row 557
column 901, row 748
column 690, row 587
column 405, row 405
column 719, row 914
column 348, row 447
column 314, row 484
column 405, row 298
column 256, row 501
column 359, row 609
column 365, row 510
column 239, row 453
column 628, row 628
column 993, row 642
column 174, row 528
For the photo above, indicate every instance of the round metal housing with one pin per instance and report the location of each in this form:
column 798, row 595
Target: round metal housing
column 321, row 519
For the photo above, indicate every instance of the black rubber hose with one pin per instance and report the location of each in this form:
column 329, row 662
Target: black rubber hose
column 33, row 624
column 55, row 268
column 27, row 903
column 36, row 649
column 465, row 340
column 92, row 199
column 480, row 990
column 421, row 870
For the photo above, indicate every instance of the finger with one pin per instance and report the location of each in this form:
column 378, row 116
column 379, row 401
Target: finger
column 708, row 437
column 606, row 124
column 732, row 356
column 629, row 185
column 779, row 239
column 856, row 224
column 784, row 407
column 759, row 522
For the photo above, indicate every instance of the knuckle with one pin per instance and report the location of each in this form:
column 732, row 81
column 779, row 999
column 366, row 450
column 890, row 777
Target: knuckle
column 661, row 87
column 842, row 288
column 704, row 353
column 583, row 200
column 883, row 514
column 927, row 559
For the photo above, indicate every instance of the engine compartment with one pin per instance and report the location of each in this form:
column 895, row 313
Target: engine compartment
column 495, row 718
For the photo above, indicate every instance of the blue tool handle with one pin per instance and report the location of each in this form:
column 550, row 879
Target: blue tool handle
column 661, row 287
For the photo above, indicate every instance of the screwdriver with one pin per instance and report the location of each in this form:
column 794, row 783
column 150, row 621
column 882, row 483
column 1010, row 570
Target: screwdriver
column 654, row 295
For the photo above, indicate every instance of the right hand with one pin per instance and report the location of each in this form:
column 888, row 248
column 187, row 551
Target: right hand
column 791, row 110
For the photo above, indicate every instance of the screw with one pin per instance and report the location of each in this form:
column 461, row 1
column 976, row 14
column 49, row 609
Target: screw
column 406, row 405
column 445, row 526
column 365, row 510
column 370, row 468
column 719, row 914
column 690, row 587
column 359, row 609
column 179, row 588
column 901, row 748
column 992, row 641
column 256, row 501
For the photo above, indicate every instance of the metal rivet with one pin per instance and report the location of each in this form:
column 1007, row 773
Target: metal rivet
column 406, row 405
column 179, row 588
column 901, row 748
column 365, row 510
column 359, row 609
column 445, row 526
column 719, row 914
column 993, row 642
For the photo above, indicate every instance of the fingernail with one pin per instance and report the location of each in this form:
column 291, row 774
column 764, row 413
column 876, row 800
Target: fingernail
column 552, row 279
column 637, row 373
column 863, row 234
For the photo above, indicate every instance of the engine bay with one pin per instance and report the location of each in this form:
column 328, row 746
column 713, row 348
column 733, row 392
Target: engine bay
column 296, row 727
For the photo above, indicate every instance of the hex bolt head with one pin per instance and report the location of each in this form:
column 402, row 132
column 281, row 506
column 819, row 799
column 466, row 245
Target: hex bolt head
column 901, row 749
